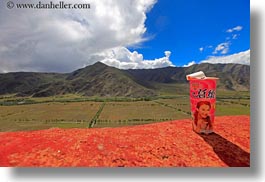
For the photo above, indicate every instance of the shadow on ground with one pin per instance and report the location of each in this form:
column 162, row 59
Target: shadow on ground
column 228, row 152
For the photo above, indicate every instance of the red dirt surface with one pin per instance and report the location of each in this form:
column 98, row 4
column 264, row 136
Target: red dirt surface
column 167, row 144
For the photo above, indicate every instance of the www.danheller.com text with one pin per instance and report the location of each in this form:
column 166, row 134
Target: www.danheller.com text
column 49, row 5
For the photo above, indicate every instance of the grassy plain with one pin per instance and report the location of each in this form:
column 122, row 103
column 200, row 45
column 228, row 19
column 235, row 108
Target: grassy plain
column 133, row 113
column 74, row 111
column 47, row 115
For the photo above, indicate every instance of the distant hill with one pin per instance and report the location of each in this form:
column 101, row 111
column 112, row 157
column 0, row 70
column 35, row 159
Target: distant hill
column 102, row 80
column 20, row 82
column 232, row 76
column 95, row 80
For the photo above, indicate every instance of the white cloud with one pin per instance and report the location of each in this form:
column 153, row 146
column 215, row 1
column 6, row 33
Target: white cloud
column 167, row 54
column 235, row 36
column 238, row 58
column 237, row 28
column 189, row 64
column 64, row 40
column 122, row 58
column 222, row 48
column 205, row 48
column 232, row 31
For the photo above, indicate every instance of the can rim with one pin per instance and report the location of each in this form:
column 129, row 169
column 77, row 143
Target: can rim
column 204, row 78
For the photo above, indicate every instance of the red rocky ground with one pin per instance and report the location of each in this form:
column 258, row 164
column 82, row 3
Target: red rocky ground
column 164, row 144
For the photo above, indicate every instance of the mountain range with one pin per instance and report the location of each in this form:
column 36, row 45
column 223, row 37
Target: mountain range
column 102, row 80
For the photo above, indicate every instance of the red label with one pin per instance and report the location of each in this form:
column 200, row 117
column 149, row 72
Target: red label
column 202, row 101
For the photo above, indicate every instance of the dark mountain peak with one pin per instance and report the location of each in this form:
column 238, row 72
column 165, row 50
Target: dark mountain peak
column 90, row 70
column 100, row 79
column 96, row 66
column 99, row 64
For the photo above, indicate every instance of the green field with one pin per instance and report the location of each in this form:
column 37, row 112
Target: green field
column 47, row 115
column 133, row 113
column 73, row 111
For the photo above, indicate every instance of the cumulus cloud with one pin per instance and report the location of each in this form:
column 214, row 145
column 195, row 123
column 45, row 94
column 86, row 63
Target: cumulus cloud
column 237, row 28
column 64, row 40
column 122, row 58
column 189, row 64
column 238, row 58
column 201, row 49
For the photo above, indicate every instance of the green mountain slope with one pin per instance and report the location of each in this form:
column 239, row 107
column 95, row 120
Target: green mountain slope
column 102, row 80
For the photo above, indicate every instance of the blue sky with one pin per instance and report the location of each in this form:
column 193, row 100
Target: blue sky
column 185, row 26
column 129, row 34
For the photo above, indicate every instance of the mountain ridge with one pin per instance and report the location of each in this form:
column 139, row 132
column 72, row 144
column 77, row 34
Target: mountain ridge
column 102, row 80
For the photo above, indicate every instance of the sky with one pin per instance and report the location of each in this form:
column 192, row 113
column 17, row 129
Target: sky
column 129, row 34
column 195, row 30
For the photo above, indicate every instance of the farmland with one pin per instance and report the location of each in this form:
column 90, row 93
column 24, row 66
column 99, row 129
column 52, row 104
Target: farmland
column 73, row 111
column 47, row 115
column 133, row 113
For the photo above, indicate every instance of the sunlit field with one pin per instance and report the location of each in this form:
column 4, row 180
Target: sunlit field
column 72, row 111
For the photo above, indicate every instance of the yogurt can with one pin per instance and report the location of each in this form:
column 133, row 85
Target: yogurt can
column 202, row 102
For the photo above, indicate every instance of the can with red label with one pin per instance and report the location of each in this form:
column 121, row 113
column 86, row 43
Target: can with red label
column 202, row 102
